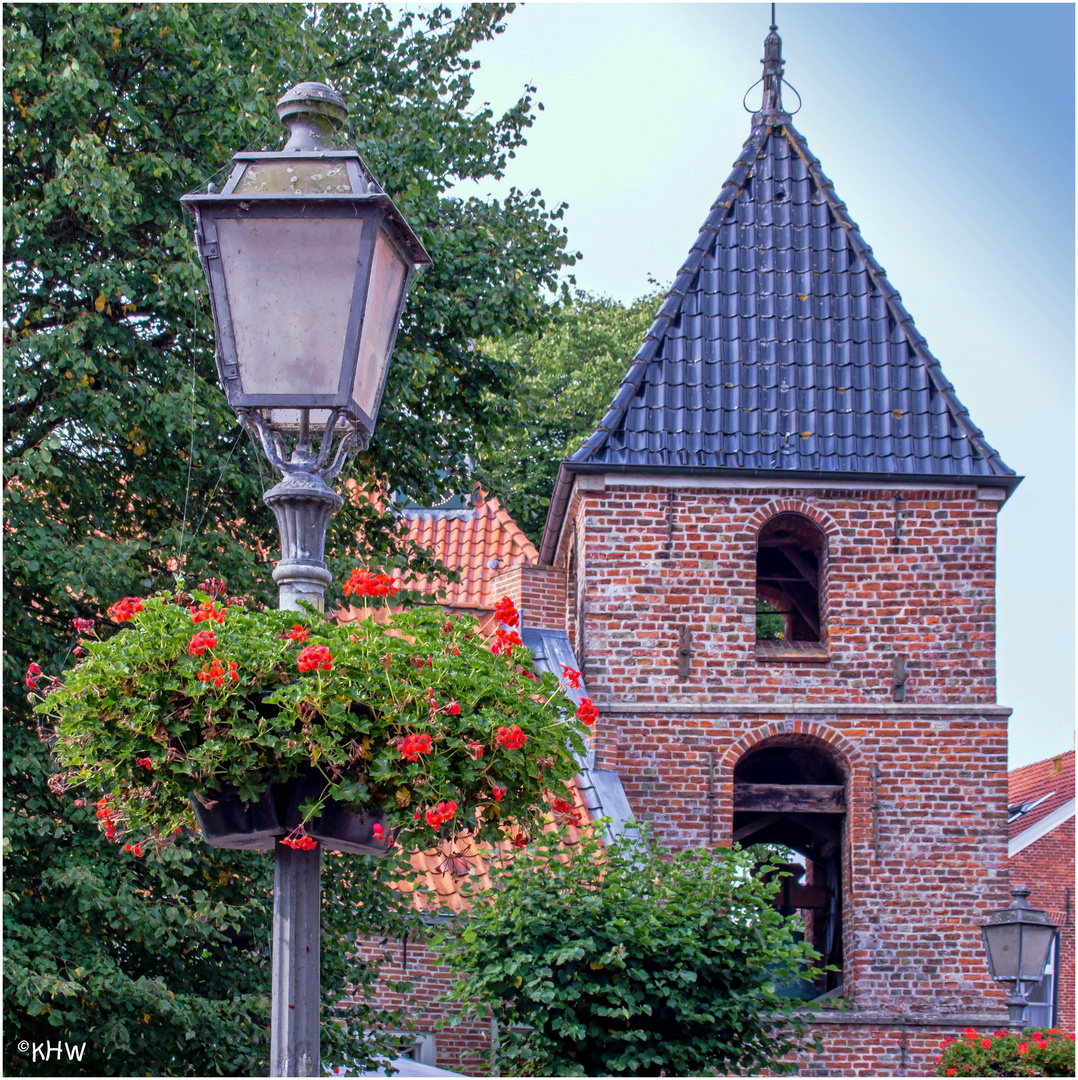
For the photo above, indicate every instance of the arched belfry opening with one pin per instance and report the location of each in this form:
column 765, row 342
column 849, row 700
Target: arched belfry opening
column 790, row 564
column 790, row 791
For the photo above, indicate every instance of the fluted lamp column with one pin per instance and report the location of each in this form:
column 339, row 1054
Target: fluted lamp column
column 308, row 264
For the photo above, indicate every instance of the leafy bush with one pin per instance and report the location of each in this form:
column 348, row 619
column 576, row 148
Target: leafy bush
column 627, row 960
column 1033, row 1052
column 417, row 717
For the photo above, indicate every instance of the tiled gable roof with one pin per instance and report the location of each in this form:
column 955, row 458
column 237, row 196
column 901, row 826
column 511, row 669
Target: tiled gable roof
column 479, row 540
column 783, row 347
column 1035, row 792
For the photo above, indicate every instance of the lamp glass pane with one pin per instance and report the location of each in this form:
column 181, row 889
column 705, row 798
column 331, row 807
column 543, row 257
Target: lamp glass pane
column 379, row 322
column 295, row 176
column 1036, row 941
column 288, row 419
column 290, row 283
column 1002, row 941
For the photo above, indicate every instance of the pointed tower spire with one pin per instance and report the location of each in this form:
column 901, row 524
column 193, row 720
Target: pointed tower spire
column 771, row 110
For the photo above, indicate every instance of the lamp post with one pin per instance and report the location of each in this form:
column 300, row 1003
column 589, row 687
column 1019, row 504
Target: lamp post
column 1018, row 939
column 308, row 263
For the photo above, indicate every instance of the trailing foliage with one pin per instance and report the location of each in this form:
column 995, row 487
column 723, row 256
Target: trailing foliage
column 627, row 960
column 571, row 371
column 121, row 459
column 1032, row 1052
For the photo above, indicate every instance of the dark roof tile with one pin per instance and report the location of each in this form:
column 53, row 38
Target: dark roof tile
column 780, row 293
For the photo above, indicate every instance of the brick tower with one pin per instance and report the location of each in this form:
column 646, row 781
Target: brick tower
column 779, row 560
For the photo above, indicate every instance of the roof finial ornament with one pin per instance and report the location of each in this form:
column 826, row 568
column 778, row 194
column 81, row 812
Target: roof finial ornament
column 771, row 110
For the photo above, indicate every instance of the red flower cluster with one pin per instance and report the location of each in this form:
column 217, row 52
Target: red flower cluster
column 505, row 612
column 125, row 609
column 379, row 832
column 414, row 745
column 314, row 657
column 440, row 814
column 571, row 676
column 216, row 672
column 84, row 626
column 505, row 641
column 299, row 840
column 207, row 610
column 33, row 673
column 105, row 814
column 453, row 709
column 586, row 712
column 364, row 583
column 476, row 750
column 145, row 763
column 511, row 738
column 297, row 633
column 498, row 792
column 567, row 810
column 135, row 849
column 201, row 642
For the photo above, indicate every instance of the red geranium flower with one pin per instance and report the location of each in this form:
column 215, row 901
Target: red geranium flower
column 452, row 708
column 314, row 657
column 33, row 673
column 498, row 792
column 125, row 609
column 201, row 642
column 414, row 745
column 511, row 738
column 586, row 712
column 519, row 841
column 505, row 641
column 476, row 750
column 571, row 676
column 441, row 814
column 986, row 1044
column 216, row 673
column 207, row 611
column 505, row 612
column 364, row 583
column 299, row 839
column 297, row 633
column 84, row 626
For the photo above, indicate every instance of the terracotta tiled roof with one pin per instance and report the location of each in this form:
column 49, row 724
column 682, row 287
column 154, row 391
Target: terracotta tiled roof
column 1037, row 790
column 446, row 870
column 480, row 541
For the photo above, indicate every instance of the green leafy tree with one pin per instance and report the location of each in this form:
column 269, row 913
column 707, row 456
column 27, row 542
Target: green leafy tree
column 571, row 371
column 122, row 461
column 630, row 961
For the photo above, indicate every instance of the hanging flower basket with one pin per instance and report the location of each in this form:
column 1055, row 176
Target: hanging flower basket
column 200, row 714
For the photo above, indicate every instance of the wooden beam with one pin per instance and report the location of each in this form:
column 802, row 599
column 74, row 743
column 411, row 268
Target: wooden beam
column 791, row 798
column 756, row 826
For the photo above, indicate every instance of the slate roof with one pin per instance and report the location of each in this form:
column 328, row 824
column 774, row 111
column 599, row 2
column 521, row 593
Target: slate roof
column 1035, row 792
column 782, row 348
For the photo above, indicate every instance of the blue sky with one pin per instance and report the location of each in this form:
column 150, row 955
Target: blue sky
column 949, row 132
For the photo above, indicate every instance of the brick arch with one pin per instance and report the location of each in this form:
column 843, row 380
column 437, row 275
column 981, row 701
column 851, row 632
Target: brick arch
column 825, row 522
column 838, row 742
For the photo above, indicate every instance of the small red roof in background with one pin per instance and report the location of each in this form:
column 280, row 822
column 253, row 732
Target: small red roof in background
column 1040, row 788
column 480, row 543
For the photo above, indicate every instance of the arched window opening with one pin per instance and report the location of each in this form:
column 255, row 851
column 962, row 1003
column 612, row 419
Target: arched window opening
column 790, row 553
column 790, row 792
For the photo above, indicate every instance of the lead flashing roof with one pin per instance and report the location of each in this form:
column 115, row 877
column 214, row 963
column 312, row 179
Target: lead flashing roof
column 782, row 346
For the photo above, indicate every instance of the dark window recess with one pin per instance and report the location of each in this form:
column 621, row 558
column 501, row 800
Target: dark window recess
column 790, row 793
column 789, row 569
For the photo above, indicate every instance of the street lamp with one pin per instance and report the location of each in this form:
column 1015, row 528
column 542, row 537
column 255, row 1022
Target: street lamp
column 1018, row 940
column 308, row 263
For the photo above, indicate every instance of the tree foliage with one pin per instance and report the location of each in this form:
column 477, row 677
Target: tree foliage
column 570, row 373
column 123, row 462
column 629, row 961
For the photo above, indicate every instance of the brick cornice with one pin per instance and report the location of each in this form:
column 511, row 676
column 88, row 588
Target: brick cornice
column 779, row 708
column 986, row 1018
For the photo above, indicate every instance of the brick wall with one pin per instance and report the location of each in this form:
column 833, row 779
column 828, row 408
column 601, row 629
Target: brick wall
column 1047, row 867
column 929, row 599
column 538, row 592
column 460, row 1048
